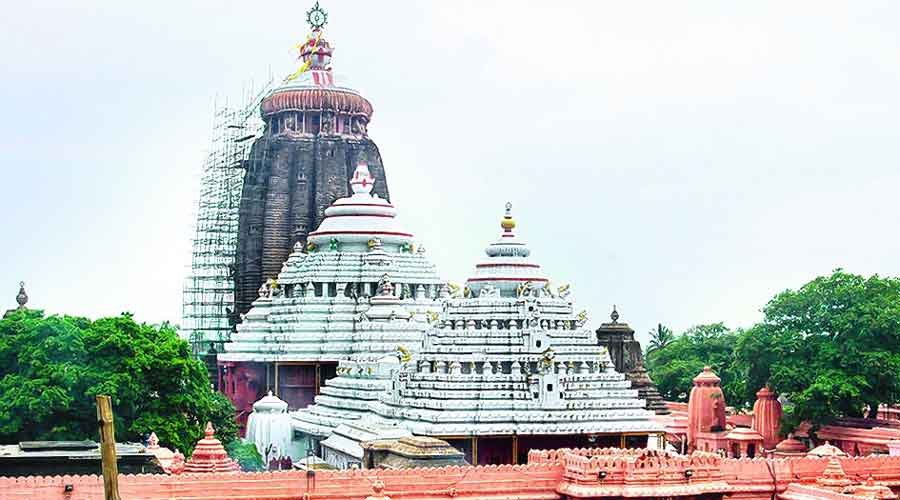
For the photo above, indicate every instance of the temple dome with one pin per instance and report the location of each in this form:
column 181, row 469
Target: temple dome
column 270, row 404
column 315, row 88
column 826, row 450
column 508, row 265
column 358, row 219
column 790, row 447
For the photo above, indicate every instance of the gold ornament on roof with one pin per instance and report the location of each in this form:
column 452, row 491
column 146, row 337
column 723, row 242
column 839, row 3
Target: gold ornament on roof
column 582, row 318
column 405, row 355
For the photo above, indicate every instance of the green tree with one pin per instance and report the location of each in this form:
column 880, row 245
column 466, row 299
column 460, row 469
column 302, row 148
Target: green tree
column 660, row 337
column 246, row 454
column 832, row 347
column 51, row 369
column 674, row 366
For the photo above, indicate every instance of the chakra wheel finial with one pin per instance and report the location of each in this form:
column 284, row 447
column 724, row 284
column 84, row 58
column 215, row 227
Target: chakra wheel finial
column 316, row 17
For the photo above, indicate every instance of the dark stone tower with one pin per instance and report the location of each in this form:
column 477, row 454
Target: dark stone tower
column 316, row 133
column 626, row 354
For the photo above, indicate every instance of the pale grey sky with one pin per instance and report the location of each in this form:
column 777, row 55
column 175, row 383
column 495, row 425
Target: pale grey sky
column 684, row 160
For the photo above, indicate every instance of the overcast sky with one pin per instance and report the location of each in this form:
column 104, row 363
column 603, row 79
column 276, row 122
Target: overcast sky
column 684, row 160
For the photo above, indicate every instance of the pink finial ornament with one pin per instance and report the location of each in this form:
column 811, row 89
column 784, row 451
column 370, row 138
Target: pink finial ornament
column 153, row 441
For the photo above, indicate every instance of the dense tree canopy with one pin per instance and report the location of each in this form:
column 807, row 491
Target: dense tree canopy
column 674, row 365
column 51, row 369
column 832, row 348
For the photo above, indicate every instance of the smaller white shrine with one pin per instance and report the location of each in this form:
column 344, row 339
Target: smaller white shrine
column 269, row 428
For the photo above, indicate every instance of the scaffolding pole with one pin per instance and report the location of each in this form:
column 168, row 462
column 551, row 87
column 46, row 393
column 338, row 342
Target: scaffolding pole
column 208, row 293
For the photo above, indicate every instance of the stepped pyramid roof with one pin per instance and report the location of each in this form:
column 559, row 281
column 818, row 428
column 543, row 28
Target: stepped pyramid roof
column 210, row 456
column 360, row 267
column 511, row 356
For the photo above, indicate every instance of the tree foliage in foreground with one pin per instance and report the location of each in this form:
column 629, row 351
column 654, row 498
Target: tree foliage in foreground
column 51, row 369
column 832, row 348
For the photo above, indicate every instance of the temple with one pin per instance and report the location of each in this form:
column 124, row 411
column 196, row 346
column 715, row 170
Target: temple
column 315, row 133
column 506, row 368
column 21, row 300
column 360, row 286
column 628, row 358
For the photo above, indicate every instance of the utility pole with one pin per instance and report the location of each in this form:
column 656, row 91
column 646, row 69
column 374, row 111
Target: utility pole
column 108, row 449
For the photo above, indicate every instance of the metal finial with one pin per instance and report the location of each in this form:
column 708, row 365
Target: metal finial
column 316, row 17
column 615, row 314
column 22, row 297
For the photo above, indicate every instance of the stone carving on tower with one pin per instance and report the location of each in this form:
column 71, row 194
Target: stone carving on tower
column 315, row 134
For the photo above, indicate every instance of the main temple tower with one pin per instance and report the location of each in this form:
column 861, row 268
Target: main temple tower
column 315, row 134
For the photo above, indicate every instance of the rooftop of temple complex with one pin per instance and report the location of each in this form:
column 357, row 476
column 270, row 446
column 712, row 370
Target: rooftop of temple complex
column 314, row 87
column 510, row 355
column 361, row 285
column 346, row 398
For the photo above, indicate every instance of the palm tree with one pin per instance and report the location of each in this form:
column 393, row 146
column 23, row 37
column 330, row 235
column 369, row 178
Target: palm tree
column 660, row 338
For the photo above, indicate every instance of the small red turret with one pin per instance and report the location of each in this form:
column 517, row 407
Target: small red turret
column 767, row 417
column 706, row 406
column 210, row 456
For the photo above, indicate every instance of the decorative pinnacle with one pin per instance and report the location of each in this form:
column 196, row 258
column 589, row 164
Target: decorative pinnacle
column 209, row 430
column 22, row 297
column 508, row 223
column 316, row 17
column 362, row 181
column 615, row 315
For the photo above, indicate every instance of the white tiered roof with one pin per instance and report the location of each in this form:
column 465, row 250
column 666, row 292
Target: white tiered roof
column 511, row 356
column 347, row 397
column 319, row 308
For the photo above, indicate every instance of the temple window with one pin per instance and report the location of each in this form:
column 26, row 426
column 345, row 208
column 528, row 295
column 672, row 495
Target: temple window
column 317, row 287
column 332, row 289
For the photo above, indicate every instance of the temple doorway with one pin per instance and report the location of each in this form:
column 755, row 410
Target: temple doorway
column 495, row 450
